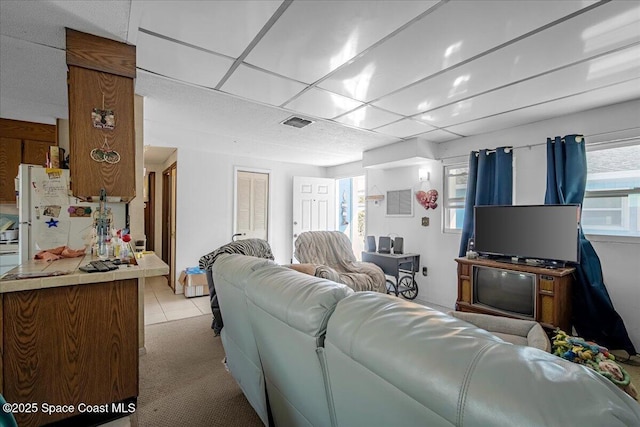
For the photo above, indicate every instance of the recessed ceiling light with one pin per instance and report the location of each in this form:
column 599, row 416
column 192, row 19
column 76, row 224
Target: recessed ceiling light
column 296, row 122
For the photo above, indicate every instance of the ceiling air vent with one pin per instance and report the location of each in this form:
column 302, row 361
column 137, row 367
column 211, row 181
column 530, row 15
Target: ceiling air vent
column 297, row 122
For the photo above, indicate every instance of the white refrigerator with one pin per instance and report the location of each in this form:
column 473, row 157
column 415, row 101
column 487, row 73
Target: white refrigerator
column 49, row 217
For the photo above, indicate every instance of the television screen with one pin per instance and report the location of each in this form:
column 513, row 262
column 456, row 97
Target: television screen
column 507, row 291
column 544, row 232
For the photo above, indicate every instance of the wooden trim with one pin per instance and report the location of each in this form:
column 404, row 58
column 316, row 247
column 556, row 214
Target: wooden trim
column 150, row 212
column 556, row 272
column 28, row 130
column 100, row 54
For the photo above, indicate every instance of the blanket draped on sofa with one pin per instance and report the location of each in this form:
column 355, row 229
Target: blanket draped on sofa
column 331, row 252
column 251, row 247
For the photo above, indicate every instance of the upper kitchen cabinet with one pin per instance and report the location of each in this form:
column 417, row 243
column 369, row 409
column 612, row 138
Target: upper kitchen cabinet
column 101, row 116
column 21, row 142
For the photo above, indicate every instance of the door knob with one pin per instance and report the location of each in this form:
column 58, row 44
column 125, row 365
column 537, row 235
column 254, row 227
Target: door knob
column 295, row 235
column 295, row 222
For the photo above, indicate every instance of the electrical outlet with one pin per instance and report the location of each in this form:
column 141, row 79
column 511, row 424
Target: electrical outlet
column 424, row 271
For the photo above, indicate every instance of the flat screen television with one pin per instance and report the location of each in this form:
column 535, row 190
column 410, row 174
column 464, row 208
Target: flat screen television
column 505, row 291
column 531, row 232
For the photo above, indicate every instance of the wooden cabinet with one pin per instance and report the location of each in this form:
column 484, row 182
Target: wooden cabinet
column 101, row 73
column 552, row 291
column 21, row 142
column 69, row 345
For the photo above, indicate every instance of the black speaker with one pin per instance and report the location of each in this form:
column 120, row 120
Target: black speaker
column 398, row 245
column 371, row 243
column 384, row 245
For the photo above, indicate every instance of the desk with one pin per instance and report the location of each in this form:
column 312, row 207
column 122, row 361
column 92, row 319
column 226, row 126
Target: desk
column 397, row 265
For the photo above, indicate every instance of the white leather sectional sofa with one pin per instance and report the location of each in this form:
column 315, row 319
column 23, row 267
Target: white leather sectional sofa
column 307, row 351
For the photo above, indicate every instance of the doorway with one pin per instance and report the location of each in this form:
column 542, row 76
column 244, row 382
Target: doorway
column 169, row 203
column 330, row 204
column 149, row 210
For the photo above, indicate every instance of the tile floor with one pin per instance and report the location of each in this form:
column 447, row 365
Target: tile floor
column 161, row 304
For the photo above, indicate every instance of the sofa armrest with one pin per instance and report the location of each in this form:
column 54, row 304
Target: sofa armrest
column 538, row 338
column 529, row 329
column 326, row 272
column 499, row 324
column 309, row 269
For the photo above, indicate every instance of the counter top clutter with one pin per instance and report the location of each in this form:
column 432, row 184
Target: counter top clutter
column 41, row 274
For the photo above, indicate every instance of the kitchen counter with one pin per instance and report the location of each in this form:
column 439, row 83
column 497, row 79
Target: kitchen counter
column 72, row 338
column 149, row 265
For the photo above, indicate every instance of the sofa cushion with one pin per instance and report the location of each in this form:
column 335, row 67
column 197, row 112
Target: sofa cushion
column 289, row 313
column 389, row 359
column 407, row 361
column 540, row 389
column 230, row 274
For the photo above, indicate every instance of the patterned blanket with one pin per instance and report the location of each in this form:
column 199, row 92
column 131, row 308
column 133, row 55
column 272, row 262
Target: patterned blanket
column 331, row 252
column 251, row 247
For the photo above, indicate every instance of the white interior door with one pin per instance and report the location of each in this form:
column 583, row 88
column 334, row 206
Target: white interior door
column 252, row 204
column 313, row 204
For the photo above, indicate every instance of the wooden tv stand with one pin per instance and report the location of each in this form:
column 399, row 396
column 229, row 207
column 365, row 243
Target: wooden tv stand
column 553, row 291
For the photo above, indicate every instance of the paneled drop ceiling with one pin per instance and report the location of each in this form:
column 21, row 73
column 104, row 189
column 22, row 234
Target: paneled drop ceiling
column 221, row 76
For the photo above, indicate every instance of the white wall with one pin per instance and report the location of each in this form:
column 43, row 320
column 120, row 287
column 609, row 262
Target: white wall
column 205, row 203
column 438, row 250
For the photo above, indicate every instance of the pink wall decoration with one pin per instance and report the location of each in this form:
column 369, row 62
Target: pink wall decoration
column 427, row 199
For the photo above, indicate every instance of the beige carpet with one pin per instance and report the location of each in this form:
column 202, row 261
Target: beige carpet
column 183, row 381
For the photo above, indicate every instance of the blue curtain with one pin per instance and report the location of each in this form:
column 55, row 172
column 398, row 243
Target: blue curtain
column 490, row 183
column 594, row 317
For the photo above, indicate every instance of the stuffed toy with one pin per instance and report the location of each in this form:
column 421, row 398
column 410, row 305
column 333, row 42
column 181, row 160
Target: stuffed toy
column 593, row 356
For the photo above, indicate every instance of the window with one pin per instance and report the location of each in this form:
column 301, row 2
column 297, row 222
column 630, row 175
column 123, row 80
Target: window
column 351, row 207
column 612, row 200
column 455, row 190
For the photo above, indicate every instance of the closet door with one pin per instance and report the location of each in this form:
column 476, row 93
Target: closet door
column 252, row 204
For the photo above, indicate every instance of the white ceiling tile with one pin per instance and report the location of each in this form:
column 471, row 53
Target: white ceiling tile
column 368, row 117
column 44, row 22
column 180, row 62
column 321, row 103
column 610, row 95
column 453, row 33
column 604, row 71
column 226, row 27
column 615, row 26
column 439, row 135
column 218, row 122
column 257, row 85
column 405, row 128
column 313, row 38
column 33, row 72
